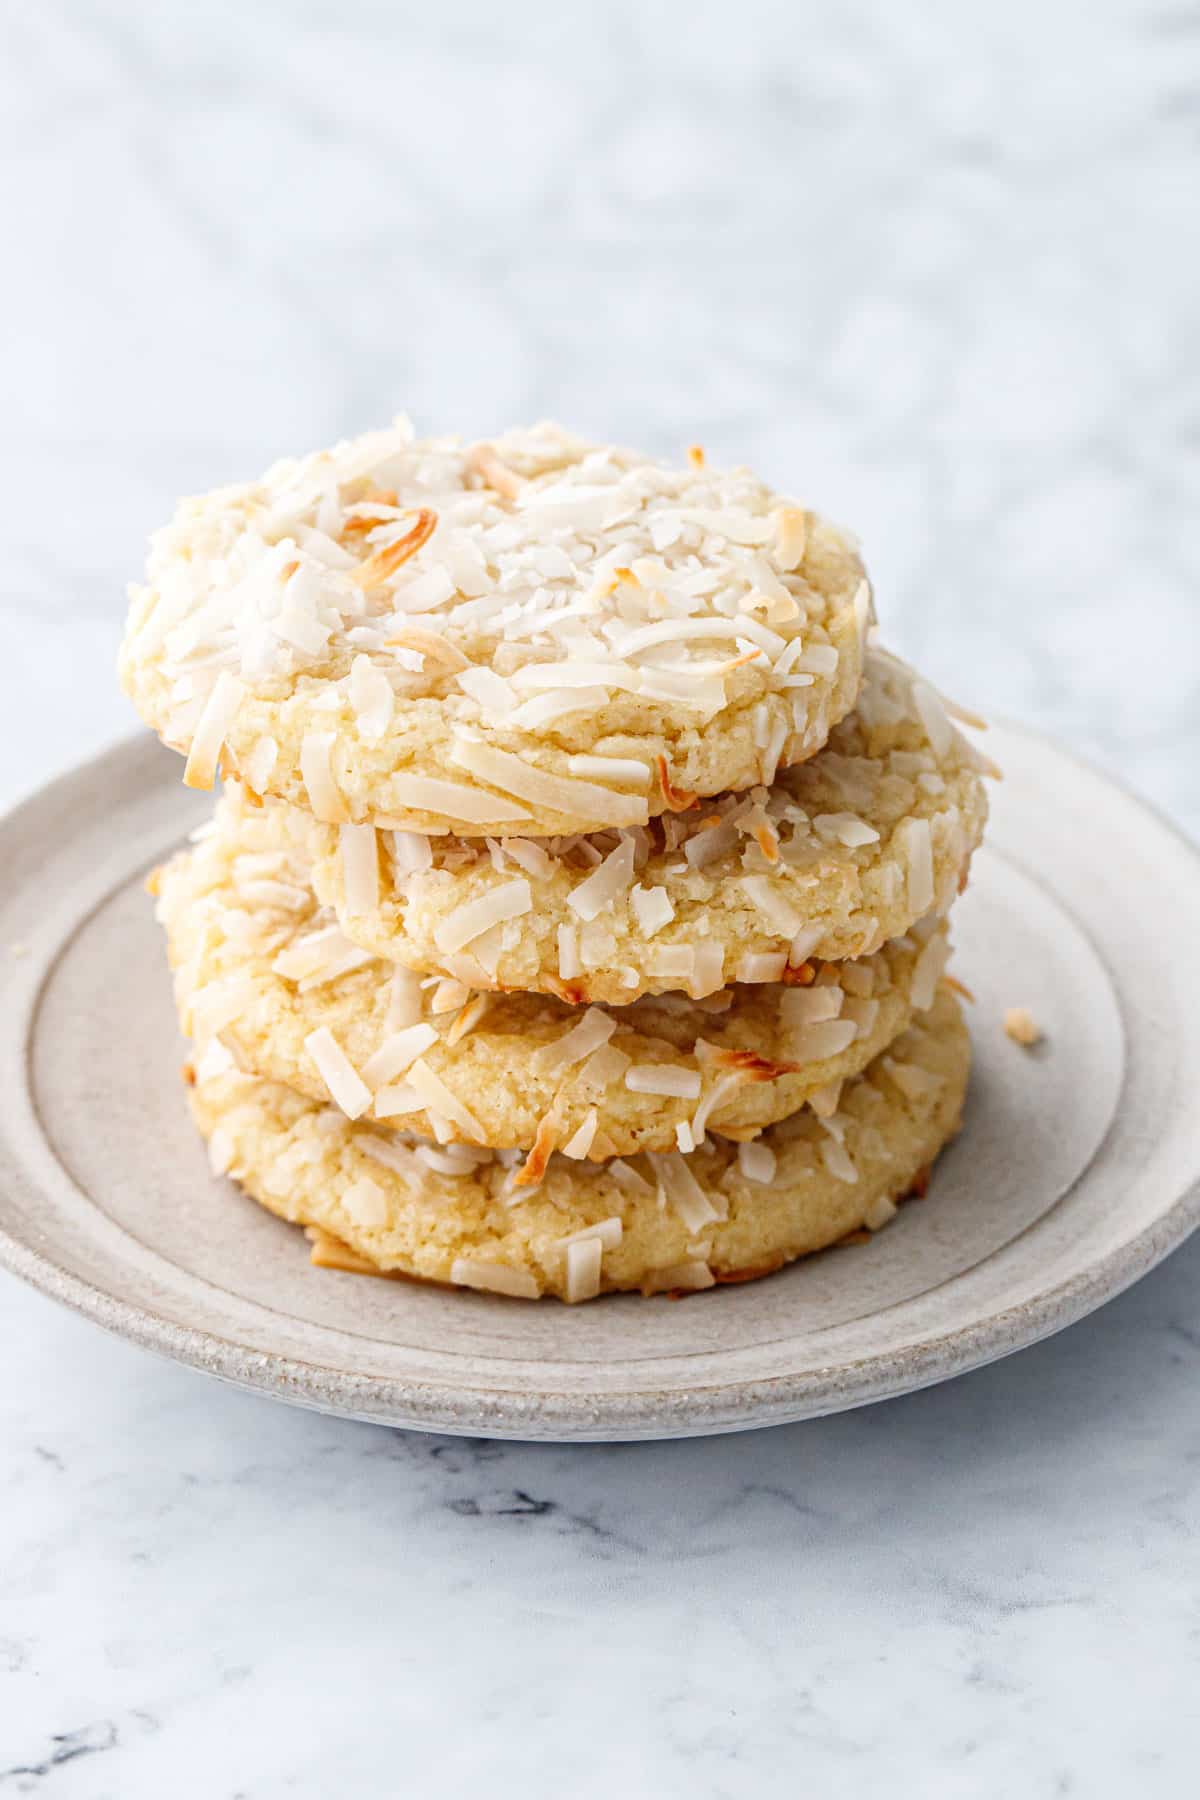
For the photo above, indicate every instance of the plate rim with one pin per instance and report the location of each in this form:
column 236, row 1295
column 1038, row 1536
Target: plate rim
column 635, row 1413
column 645, row 1412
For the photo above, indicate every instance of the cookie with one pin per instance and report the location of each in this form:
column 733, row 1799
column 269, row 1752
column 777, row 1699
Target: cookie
column 841, row 854
column 260, row 966
column 537, row 635
column 670, row 1222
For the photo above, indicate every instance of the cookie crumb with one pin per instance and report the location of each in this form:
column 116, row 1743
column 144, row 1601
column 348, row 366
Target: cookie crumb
column 1022, row 1027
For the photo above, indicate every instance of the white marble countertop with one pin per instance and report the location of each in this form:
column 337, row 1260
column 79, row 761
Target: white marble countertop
column 936, row 268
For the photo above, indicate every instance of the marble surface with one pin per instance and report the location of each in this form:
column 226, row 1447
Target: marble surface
column 936, row 268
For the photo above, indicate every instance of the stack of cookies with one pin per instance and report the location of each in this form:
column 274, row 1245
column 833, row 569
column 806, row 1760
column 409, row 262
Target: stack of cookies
column 573, row 915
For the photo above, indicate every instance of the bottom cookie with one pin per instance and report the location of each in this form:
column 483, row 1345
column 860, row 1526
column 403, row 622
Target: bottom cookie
column 658, row 1223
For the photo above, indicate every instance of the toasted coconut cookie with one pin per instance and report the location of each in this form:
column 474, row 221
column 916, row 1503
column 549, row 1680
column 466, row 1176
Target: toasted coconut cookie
column 260, row 966
column 536, row 635
column 658, row 1223
column 841, row 854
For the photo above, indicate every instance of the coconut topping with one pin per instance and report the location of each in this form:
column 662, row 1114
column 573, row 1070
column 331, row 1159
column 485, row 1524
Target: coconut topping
column 517, row 584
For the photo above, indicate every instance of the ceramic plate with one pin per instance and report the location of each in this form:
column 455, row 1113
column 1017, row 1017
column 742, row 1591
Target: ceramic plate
column 1077, row 1170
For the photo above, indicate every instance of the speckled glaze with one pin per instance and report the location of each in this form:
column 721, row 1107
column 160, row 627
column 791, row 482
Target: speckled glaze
column 107, row 1203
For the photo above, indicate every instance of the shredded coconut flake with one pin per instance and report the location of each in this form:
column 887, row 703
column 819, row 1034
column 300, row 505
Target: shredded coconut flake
column 215, row 1060
column 712, row 1102
column 838, row 1161
column 578, row 1145
column 606, row 884
column 317, row 773
column 593, row 1030
column 221, row 1151
column 529, row 856
column 916, row 844
column 372, row 698
column 490, row 691
column 345, row 1084
column 466, row 923
column 427, row 793
column 863, row 1013
column 913, row 1081
column 825, row 1100
column 468, row 1018
column 350, row 958
column 791, row 535
column 856, row 978
column 652, row 908
column 258, row 763
column 412, row 853
column 708, row 968
column 614, row 771
column 395, row 1101
column 543, row 709
column 682, row 1191
column 671, row 961
column 316, row 953
column 927, row 972
column 810, row 1006
column 933, row 716
column 607, row 1233
column 583, row 1269
column 756, row 1162
column 569, row 965
column 663, row 1078
column 218, row 1004
column 780, row 916
column 627, row 1177
column 494, row 1278
column 557, row 793
column 208, row 739
column 365, row 1202
column 438, row 1096
column 761, row 966
column 816, row 1043
column 803, row 944
column 602, row 1068
column 454, row 1159
column 388, row 1152
column 397, row 1053
column 360, row 869
column 862, row 609
column 845, row 828
column 404, row 1003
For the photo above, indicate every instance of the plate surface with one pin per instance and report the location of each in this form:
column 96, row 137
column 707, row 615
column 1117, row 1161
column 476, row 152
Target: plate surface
column 1078, row 1168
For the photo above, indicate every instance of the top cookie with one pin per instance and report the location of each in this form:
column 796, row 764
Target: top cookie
column 534, row 635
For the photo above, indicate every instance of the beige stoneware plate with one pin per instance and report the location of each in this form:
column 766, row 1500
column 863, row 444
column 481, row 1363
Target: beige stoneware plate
column 1078, row 1169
